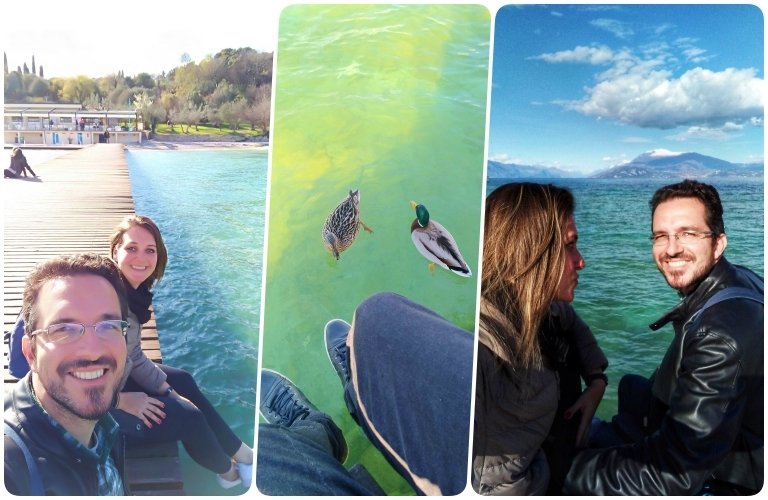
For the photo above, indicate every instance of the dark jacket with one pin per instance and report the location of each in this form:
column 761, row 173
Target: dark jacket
column 514, row 413
column 708, row 399
column 19, row 165
column 64, row 471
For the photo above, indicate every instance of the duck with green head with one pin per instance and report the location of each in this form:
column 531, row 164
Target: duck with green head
column 343, row 224
column 434, row 242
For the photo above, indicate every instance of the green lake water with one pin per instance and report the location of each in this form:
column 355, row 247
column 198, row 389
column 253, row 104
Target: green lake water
column 389, row 100
column 209, row 205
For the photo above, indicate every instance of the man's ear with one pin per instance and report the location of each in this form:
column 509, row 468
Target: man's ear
column 29, row 352
column 720, row 245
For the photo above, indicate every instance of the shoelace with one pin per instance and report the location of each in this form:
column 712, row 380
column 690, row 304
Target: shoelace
column 340, row 355
column 287, row 407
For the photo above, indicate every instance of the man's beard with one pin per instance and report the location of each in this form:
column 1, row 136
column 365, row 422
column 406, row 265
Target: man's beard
column 98, row 399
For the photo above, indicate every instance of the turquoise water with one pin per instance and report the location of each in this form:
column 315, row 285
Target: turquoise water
column 390, row 100
column 209, row 205
column 621, row 291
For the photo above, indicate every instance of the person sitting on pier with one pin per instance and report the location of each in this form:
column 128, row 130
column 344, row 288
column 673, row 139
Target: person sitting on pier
column 159, row 402
column 18, row 166
column 59, row 436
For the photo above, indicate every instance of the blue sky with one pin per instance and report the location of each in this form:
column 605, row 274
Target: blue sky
column 585, row 87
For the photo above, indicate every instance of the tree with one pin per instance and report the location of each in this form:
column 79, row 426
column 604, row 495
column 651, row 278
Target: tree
column 26, row 69
column 258, row 113
column 37, row 87
column 144, row 80
column 170, row 104
column 14, row 87
column 34, row 71
column 5, row 64
column 150, row 112
column 224, row 93
column 41, row 71
column 78, row 90
column 185, row 58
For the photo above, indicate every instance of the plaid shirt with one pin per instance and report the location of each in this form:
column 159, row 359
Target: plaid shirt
column 104, row 435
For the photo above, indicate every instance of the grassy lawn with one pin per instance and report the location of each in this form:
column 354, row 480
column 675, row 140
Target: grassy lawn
column 244, row 131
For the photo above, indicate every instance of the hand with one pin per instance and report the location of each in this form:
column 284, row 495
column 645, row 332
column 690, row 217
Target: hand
column 587, row 405
column 140, row 405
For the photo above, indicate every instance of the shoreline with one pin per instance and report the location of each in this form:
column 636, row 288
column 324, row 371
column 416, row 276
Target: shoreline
column 192, row 145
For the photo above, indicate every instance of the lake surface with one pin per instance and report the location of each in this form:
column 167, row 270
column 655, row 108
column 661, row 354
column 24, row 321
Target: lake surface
column 621, row 291
column 390, row 100
column 210, row 206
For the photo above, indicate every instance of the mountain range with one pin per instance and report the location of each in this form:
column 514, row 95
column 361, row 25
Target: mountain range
column 656, row 164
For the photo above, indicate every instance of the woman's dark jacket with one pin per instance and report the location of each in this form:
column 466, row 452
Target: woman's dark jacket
column 708, row 400
column 63, row 469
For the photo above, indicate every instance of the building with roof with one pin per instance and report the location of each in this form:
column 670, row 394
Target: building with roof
column 68, row 125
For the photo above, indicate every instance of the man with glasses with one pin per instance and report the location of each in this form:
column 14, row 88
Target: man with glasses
column 59, row 436
column 697, row 425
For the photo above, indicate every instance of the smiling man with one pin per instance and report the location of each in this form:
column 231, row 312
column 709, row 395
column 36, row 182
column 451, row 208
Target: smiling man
column 696, row 427
column 74, row 309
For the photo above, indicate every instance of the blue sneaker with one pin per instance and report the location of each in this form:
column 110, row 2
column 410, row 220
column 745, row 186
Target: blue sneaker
column 336, row 332
column 282, row 402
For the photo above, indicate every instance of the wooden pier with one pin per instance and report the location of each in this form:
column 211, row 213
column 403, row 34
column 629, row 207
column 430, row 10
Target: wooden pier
column 73, row 207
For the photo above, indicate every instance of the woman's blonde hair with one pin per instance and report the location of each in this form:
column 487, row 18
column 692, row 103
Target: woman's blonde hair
column 523, row 262
column 145, row 222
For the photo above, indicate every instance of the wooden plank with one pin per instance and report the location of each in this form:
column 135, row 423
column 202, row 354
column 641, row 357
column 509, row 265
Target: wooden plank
column 73, row 208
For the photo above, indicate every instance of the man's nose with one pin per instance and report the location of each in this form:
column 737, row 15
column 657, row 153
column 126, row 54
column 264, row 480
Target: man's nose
column 673, row 245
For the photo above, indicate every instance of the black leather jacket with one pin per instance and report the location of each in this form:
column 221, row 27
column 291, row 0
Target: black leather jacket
column 63, row 470
column 709, row 390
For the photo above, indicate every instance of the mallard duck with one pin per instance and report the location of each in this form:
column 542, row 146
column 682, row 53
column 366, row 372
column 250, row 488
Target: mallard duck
column 343, row 224
column 434, row 242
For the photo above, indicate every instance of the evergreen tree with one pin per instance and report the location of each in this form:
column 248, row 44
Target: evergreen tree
column 5, row 64
column 41, row 71
column 34, row 72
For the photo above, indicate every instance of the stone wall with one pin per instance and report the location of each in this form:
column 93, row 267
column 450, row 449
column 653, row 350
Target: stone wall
column 206, row 138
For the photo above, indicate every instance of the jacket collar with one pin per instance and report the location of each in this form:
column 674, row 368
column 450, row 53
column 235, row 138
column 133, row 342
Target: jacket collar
column 27, row 414
column 715, row 280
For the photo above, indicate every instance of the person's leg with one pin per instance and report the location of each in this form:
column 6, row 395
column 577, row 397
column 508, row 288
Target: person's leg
column 410, row 386
column 301, row 450
column 183, row 422
column 628, row 425
column 183, row 383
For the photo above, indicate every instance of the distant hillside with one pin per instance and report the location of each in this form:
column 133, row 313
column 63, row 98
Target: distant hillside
column 660, row 164
column 498, row 170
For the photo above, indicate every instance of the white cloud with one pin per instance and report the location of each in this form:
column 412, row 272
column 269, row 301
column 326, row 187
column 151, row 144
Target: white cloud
column 708, row 133
column 635, row 140
column 652, row 98
column 617, row 28
column 501, row 158
column 581, row 54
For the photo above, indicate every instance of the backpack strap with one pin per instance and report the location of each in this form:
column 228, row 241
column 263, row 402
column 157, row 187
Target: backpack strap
column 35, row 480
column 734, row 292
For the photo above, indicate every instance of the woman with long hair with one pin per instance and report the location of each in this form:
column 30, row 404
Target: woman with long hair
column 159, row 402
column 528, row 336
